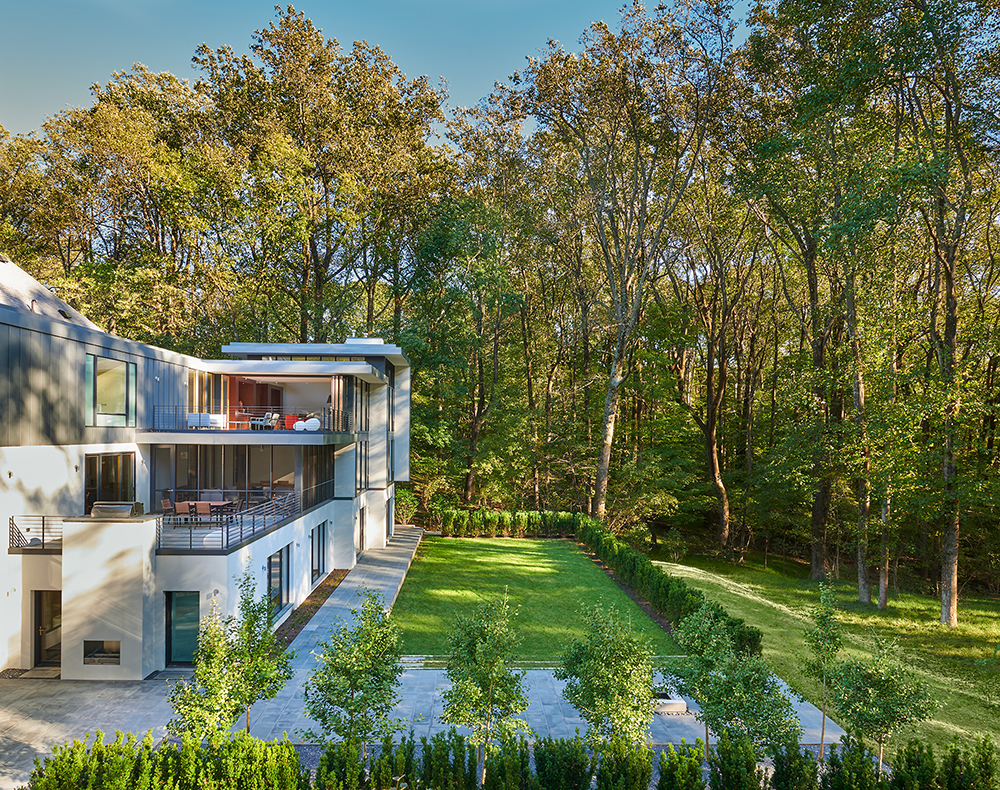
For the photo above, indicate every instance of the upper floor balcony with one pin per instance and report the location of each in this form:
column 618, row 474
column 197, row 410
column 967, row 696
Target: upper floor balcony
column 252, row 418
column 316, row 424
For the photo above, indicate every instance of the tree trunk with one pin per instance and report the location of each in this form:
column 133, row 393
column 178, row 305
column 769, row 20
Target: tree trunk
column 883, row 563
column 822, row 727
column 608, row 433
column 819, row 562
column 715, row 473
column 860, row 416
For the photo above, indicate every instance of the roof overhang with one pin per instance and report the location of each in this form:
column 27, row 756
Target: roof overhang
column 282, row 370
column 354, row 347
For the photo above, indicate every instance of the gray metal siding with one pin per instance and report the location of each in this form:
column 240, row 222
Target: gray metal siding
column 42, row 379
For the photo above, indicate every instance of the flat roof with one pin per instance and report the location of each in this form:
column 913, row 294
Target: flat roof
column 353, row 347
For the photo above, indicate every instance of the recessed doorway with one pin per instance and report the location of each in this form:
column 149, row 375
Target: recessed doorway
column 48, row 628
column 183, row 619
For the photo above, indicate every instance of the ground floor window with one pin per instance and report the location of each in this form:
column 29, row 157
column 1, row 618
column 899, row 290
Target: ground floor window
column 360, row 548
column 277, row 578
column 109, row 477
column 317, row 543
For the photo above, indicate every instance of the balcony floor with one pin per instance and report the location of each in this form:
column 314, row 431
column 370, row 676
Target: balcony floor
column 220, row 436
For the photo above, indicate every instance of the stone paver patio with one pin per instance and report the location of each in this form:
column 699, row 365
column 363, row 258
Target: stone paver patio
column 36, row 713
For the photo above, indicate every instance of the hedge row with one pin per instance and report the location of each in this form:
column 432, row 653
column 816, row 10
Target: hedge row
column 448, row 762
column 239, row 761
column 507, row 524
column 671, row 597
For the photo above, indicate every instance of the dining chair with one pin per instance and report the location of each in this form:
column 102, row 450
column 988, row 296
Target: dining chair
column 203, row 509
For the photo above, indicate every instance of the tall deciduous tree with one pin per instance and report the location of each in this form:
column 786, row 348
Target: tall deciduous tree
column 634, row 106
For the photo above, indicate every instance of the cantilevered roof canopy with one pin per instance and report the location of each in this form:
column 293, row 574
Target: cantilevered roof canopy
column 292, row 369
column 357, row 347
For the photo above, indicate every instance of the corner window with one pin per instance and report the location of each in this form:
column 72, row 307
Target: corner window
column 110, row 397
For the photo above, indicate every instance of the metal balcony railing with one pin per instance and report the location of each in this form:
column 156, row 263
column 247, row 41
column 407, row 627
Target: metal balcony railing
column 221, row 530
column 36, row 532
column 250, row 418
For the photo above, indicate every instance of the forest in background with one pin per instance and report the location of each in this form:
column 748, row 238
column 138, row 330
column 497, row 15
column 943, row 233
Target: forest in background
column 655, row 277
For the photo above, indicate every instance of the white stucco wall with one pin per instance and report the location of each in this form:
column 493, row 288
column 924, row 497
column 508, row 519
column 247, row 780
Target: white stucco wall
column 107, row 575
column 41, row 480
column 401, row 435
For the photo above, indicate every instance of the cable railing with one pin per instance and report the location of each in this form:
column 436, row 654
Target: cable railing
column 36, row 532
column 253, row 418
column 222, row 529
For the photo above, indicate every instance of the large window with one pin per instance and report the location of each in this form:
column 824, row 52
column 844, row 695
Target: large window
column 110, row 397
column 207, row 392
column 251, row 474
column 317, row 547
column 318, row 464
column 277, row 578
column 109, row 477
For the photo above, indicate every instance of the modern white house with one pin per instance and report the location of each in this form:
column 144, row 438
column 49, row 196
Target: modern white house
column 280, row 459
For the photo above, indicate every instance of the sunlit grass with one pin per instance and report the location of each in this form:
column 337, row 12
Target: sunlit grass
column 968, row 695
column 549, row 580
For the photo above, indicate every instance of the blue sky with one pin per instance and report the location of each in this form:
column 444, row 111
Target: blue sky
column 54, row 50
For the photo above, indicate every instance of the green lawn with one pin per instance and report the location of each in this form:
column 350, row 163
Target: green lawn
column 968, row 695
column 549, row 580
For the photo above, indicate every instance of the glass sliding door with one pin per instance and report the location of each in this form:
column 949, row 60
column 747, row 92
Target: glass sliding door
column 109, row 477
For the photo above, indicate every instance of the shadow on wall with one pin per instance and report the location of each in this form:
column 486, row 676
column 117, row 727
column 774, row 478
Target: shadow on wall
column 42, row 390
column 103, row 600
column 41, row 481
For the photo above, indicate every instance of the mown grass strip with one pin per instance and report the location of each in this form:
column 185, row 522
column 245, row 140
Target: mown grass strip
column 548, row 579
column 968, row 694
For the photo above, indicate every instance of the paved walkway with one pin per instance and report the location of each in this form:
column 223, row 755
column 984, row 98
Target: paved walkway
column 383, row 570
column 36, row 713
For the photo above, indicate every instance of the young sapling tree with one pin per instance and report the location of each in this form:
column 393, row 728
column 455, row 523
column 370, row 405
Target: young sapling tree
column 486, row 694
column 878, row 696
column 609, row 678
column 352, row 691
column 824, row 640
